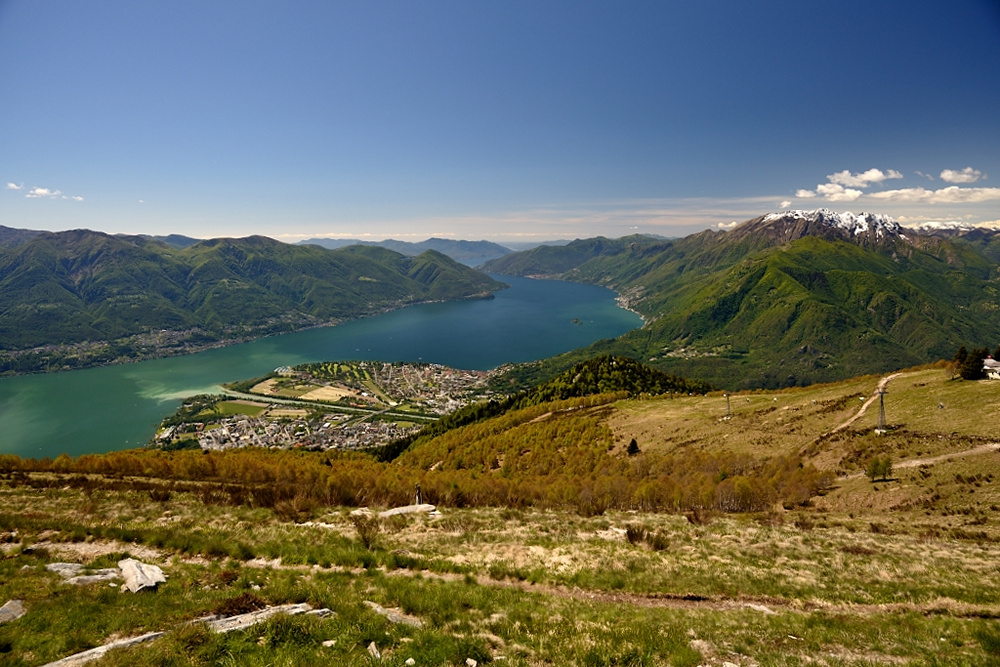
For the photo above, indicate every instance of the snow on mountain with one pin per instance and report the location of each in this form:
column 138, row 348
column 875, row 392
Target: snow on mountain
column 854, row 224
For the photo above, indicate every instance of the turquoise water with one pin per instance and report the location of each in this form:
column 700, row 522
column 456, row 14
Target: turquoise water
column 118, row 407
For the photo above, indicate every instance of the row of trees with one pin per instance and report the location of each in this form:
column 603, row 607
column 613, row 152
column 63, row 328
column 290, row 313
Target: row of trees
column 556, row 455
column 969, row 363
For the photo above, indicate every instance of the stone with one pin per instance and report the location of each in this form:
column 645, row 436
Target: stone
column 408, row 509
column 95, row 653
column 65, row 570
column 394, row 616
column 140, row 575
column 321, row 613
column 329, row 643
column 95, row 577
column 470, row 662
column 244, row 621
column 410, row 662
column 373, row 650
column 11, row 611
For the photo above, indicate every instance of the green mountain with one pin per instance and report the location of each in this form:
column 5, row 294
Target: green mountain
column 462, row 251
column 70, row 287
column 790, row 298
column 9, row 236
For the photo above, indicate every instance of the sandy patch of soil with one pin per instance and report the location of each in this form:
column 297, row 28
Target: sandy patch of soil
column 328, row 394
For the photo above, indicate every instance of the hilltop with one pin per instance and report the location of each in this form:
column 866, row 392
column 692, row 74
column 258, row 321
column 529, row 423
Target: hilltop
column 788, row 298
column 85, row 297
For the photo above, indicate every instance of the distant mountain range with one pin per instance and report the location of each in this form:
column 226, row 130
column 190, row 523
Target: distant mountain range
column 82, row 286
column 789, row 298
column 467, row 252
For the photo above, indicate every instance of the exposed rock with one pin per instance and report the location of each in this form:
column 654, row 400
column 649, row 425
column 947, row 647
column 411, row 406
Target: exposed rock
column 321, row 613
column 470, row 662
column 95, row 653
column 77, row 574
column 761, row 608
column 97, row 576
column 13, row 610
column 373, row 650
column 409, row 509
column 140, row 575
column 65, row 570
column 243, row 621
column 394, row 616
column 410, row 662
column 214, row 623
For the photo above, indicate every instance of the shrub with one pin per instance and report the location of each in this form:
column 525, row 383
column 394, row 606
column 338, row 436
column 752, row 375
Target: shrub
column 879, row 468
column 368, row 528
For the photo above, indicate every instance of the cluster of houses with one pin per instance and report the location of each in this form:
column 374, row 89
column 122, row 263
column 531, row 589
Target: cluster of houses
column 243, row 431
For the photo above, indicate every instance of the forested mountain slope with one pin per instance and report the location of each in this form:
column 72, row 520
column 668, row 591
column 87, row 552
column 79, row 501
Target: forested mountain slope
column 789, row 298
column 69, row 287
column 459, row 250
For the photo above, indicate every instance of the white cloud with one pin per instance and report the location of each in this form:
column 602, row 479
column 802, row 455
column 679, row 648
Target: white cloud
column 862, row 180
column 785, row 204
column 950, row 195
column 14, row 186
column 45, row 193
column 837, row 192
column 967, row 175
column 35, row 193
column 927, row 176
column 804, row 194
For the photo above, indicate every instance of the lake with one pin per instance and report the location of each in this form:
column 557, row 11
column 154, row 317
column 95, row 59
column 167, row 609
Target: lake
column 119, row 407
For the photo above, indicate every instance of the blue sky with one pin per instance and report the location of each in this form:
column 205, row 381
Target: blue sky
column 498, row 120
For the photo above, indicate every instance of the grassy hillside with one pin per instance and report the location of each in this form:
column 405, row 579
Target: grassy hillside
column 771, row 304
column 524, row 566
column 81, row 286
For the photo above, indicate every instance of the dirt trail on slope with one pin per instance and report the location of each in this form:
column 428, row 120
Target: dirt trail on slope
column 930, row 460
column 864, row 407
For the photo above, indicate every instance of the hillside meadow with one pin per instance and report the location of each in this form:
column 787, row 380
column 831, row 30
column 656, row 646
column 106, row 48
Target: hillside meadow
column 554, row 546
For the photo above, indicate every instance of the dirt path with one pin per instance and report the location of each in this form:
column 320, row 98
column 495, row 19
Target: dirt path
column 864, row 407
column 981, row 449
column 930, row 460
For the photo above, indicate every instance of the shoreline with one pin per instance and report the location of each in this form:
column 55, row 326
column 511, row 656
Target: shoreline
column 177, row 347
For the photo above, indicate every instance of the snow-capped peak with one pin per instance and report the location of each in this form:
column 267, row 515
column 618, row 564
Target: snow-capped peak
column 854, row 224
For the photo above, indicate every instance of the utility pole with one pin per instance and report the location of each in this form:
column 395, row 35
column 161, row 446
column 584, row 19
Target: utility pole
column 881, row 411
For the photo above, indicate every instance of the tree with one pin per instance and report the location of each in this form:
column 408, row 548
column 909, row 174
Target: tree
column 961, row 355
column 879, row 468
column 972, row 367
column 633, row 448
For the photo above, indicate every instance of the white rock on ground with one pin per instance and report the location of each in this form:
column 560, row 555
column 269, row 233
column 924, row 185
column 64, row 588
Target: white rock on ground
column 408, row 509
column 73, row 573
column 394, row 616
column 220, row 625
column 140, row 575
